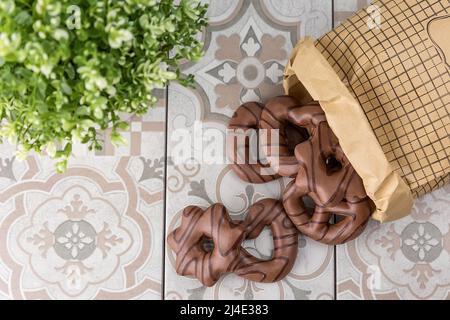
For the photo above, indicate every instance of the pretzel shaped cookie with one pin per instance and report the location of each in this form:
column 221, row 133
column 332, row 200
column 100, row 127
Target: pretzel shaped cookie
column 224, row 237
column 293, row 123
column 242, row 125
column 269, row 212
column 192, row 243
column 328, row 178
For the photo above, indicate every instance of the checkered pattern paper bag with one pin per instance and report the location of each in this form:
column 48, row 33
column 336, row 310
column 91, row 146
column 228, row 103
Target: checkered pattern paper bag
column 382, row 78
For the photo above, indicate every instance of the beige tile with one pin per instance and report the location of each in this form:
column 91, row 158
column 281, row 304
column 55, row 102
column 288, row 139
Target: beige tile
column 143, row 136
column 405, row 259
column 95, row 232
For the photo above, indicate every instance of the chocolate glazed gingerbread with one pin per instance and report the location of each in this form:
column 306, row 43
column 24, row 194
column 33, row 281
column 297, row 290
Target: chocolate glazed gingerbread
column 198, row 228
column 271, row 213
column 282, row 114
column 244, row 122
column 255, row 116
column 328, row 178
column 215, row 227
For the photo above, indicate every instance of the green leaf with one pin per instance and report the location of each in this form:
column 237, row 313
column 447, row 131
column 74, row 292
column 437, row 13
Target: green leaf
column 61, row 79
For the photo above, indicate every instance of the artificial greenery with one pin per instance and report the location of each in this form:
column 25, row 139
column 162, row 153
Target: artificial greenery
column 69, row 67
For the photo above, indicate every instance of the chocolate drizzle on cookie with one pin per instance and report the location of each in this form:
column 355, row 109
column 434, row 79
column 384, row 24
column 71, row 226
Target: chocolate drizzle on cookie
column 225, row 254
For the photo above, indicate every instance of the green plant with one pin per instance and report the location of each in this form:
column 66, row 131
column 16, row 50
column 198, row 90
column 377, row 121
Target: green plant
column 69, row 67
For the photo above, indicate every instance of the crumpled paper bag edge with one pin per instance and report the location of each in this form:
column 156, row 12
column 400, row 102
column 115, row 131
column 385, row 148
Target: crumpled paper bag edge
column 308, row 68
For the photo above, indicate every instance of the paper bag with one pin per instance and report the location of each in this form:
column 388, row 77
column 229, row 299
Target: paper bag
column 382, row 78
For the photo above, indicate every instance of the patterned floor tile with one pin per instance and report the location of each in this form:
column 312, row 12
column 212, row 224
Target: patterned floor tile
column 405, row 259
column 94, row 232
column 247, row 46
column 143, row 135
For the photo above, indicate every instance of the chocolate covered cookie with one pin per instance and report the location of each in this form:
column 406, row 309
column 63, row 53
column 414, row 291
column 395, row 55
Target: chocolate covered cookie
column 327, row 177
column 208, row 243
